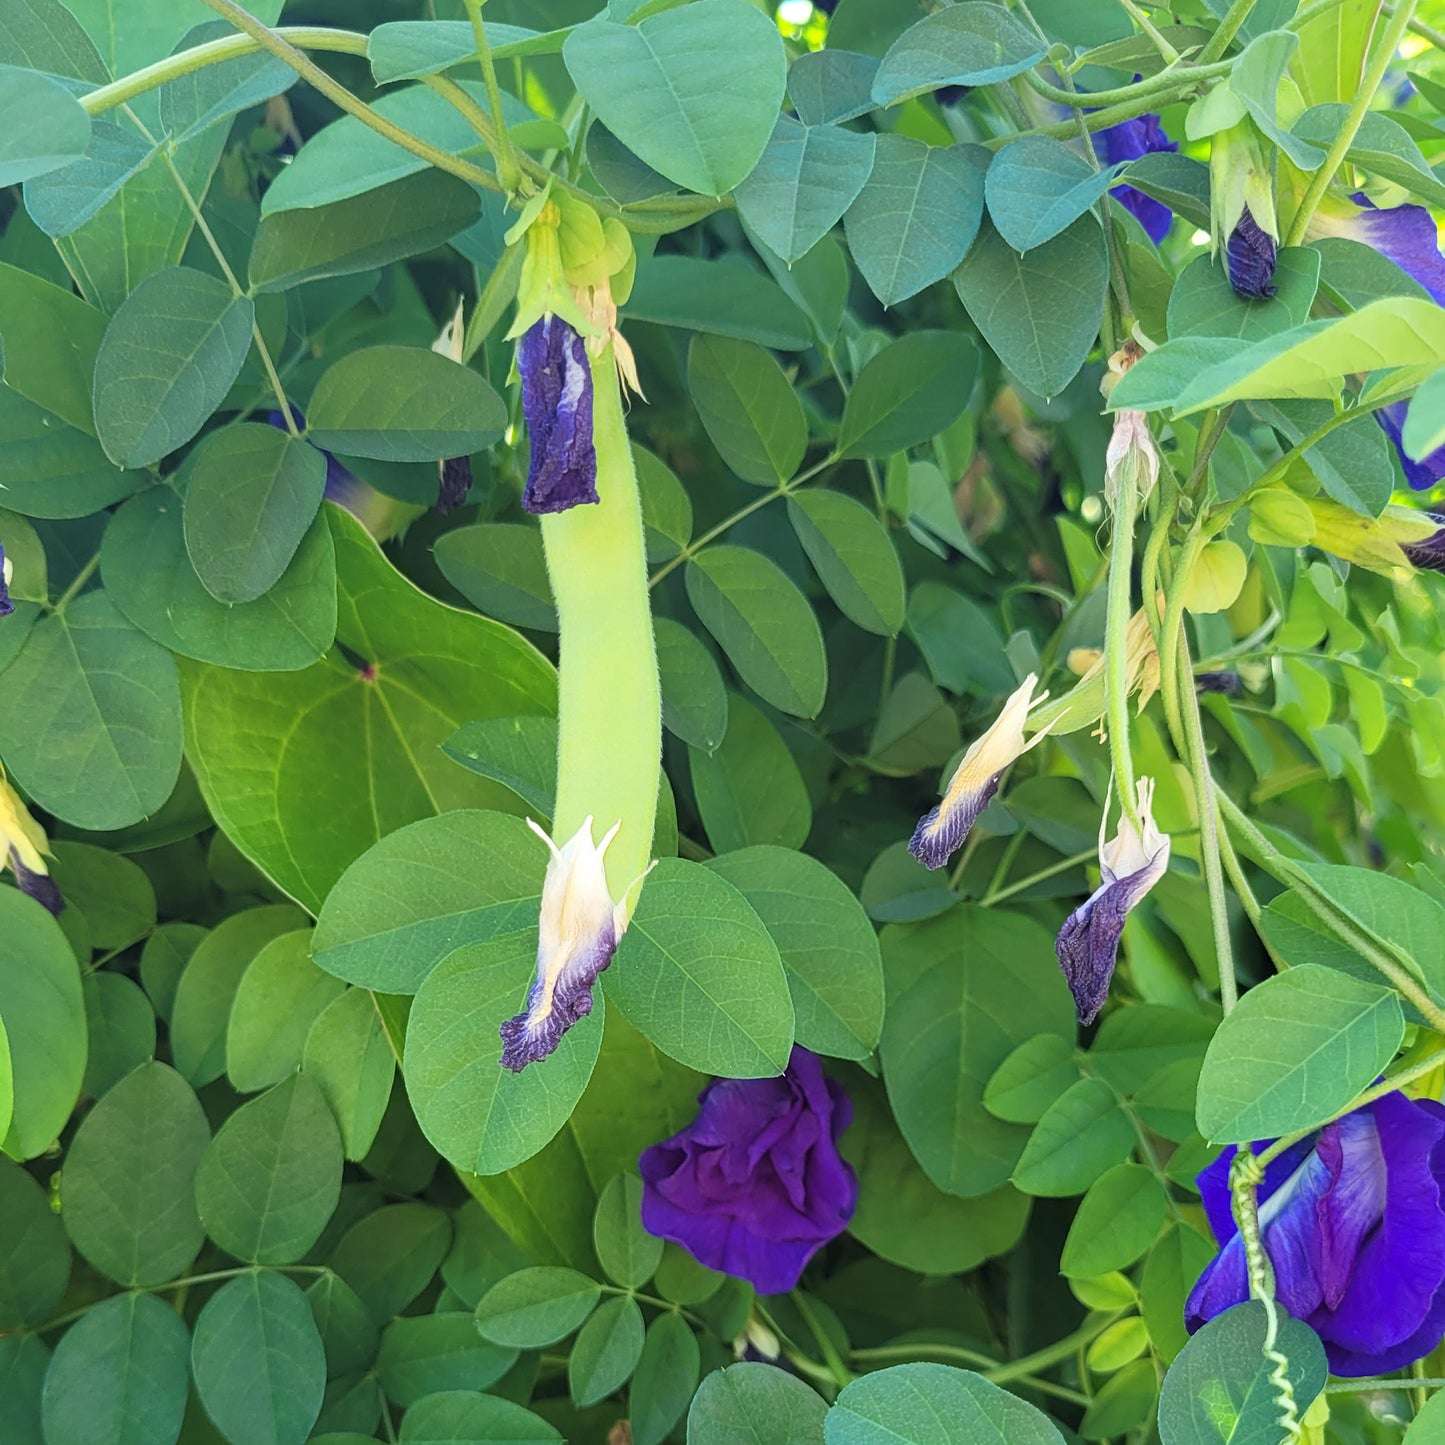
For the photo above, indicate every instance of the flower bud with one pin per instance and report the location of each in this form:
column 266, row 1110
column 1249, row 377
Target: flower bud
column 1244, row 221
column 25, row 844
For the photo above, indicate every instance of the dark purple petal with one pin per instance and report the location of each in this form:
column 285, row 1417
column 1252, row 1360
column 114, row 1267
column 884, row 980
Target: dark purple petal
column 1421, row 475
column 1406, row 235
column 534, row 1034
column 942, row 830
column 40, row 886
column 755, row 1185
column 456, row 482
column 1127, row 141
column 1249, row 254
column 557, row 403
column 6, row 605
column 1088, row 943
column 1227, row 684
column 1429, row 552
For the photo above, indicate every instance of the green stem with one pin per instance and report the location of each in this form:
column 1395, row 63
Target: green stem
column 1359, row 1387
column 507, row 167
column 1319, row 182
column 333, row 90
column 71, row 592
column 997, row 895
column 1065, row 129
column 609, row 709
column 1116, row 647
column 1051, row 1355
column 228, row 47
column 1226, row 30
column 1427, row 32
column 1208, row 810
column 1157, row 90
column 841, row 1373
column 1165, row 49
column 1171, row 629
column 885, row 1354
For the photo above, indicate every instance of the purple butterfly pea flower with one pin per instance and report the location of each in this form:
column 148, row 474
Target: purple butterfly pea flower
column 1127, row 141
column 557, row 403
column 1129, row 866
column 1422, row 474
column 755, row 1185
column 7, row 569
column 1353, row 1220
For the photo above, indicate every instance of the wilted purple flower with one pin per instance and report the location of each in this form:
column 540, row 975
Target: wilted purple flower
column 943, row 829
column 1428, row 553
column 1250, row 256
column 456, row 482
column 578, row 929
column 7, row 570
column 1127, row 141
column 23, row 846
column 557, row 403
column 755, row 1185
column 1129, row 866
column 1353, row 1220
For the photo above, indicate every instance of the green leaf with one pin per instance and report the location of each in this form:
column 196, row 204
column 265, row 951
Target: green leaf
column 827, row 944
column 204, row 995
column 403, row 404
column 1218, row 1392
column 1428, row 1422
column 1295, row 1052
column 115, row 895
column 1424, row 428
column 34, row 1256
column 128, row 1197
column 959, row 640
column 44, row 35
column 23, row 1361
column 750, row 789
column 362, row 754
column 272, row 1175
column 122, row 1029
column 1179, row 181
column 853, row 556
column 665, row 1379
column 1041, row 312
column 1203, row 303
column 1170, row 1272
column 764, row 624
column 911, row 390
column 1354, row 462
column 500, row 569
column 43, row 1015
column 162, row 961
column 483, row 1118
column 53, row 469
column 426, row 890
column 405, row 218
column 697, row 972
column 62, row 201
column 348, row 158
column 748, row 408
column 724, row 298
column 605, row 1352
column 280, row 995
column 536, row 1307
column 916, row 217
column 259, row 1366
column 1381, row 146
column 150, row 578
column 693, row 92
column 830, row 86
column 1037, row 186
column 168, row 359
column 964, row 991
column 424, row 1354
column 751, row 1401
column 694, row 697
column 390, row 1256
column 1082, row 1134
column 980, row 44
column 348, row 1336
column 1021, row 1089
column 348, row 1056
column 902, row 1216
column 1118, row 1220
column 518, row 752
column 921, row 1404
column 405, row 49
column 627, row 1252
column 42, row 125
column 253, row 491
column 110, row 750
column 192, row 103
column 32, row 312
column 120, row 1375
column 666, row 506
column 805, row 180
column 460, row 1417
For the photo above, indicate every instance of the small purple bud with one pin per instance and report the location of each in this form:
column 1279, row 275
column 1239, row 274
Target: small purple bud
column 1250, row 254
column 1228, row 684
column 456, row 482
column 1429, row 552
column 6, row 605
column 557, row 403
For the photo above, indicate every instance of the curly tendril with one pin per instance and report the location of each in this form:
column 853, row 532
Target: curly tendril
column 1245, row 1176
